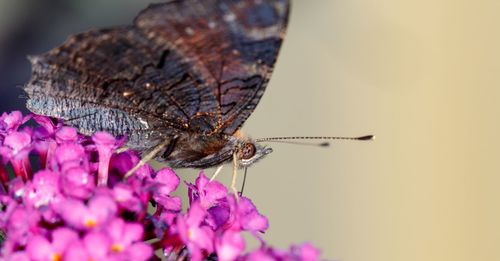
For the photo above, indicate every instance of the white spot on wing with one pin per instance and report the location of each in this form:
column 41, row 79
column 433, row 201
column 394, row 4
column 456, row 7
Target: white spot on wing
column 229, row 17
column 189, row 30
column 211, row 24
column 144, row 123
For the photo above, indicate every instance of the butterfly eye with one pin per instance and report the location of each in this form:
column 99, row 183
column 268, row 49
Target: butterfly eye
column 248, row 151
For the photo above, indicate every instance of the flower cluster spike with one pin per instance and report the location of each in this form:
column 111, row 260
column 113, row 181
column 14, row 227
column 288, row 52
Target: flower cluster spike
column 63, row 196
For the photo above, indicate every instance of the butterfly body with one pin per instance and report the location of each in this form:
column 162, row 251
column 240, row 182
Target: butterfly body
column 199, row 151
column 186, row 73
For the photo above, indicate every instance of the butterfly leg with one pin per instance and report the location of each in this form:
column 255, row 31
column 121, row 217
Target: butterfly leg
column 148, row 157
column 121, row 150
column 235, row 176
column 217, row 171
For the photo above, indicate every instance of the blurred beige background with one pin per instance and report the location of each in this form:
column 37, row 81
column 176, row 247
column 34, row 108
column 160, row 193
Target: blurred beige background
column 421, row 75
column 424, row 77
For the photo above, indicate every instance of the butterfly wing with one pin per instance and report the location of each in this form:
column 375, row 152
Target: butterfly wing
column 185, row 66
column 115, row 80
column 231, row 44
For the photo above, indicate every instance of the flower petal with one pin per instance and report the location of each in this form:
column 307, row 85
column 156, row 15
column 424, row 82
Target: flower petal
column 74, row 212
column 76, row 251
column 43, row 189
column 62, row 237
column 77, row 182
column 168, row 181
column 230, row 246
column 97, row 244
column 173, row 204
column 17, row 141
column 19, row 256
column 139, row 251
column 66, row 134
column 103, row 207
column 39, row 248
column 66, row 153
column 196, row 215
column 306, row 252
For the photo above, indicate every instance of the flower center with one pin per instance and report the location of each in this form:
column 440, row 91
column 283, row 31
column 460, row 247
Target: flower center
column 56, row 257
column 116, row 248
column 90, row 223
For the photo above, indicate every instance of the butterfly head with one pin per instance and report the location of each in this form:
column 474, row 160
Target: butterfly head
column 249, row 151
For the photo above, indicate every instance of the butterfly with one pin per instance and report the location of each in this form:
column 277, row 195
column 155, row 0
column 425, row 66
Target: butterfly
column 183, row 78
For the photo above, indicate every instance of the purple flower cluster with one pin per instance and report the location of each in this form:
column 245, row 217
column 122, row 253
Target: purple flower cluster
column 63, row 196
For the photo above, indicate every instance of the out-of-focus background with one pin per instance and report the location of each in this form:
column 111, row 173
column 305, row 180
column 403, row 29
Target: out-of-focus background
column 422, row 75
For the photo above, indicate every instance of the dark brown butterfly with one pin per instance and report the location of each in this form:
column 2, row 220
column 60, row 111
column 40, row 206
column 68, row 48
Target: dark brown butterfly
column 184, row 78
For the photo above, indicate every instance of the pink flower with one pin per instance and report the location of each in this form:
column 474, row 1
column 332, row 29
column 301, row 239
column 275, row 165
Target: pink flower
column 11, row 121
column 41, row 248
column 304, row 252
column 19, row 256
column 17, row 144
column 94, row 246
column 60, row 212
column 105, row 144
column 126, row 198
column 230, row 246
column 66, row 135
column 43, row 136
column 43, row 189
column 22, row 224
column 244, row 216
column 261, row 255
column 121, row 163
column 16, row 148
column 69, row 155
column 126, row 240
column 77, row 182
column 197, row 237
column 207, row 193
column 212, row 196
column 97, row 213
column 164, row 183
column 50, row 125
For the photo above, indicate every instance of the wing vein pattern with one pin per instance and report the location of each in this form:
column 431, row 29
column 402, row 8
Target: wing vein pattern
column 191, row 65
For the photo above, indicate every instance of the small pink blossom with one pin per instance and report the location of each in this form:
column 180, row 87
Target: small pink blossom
column 94, row 246
column 77, row 182
column 164, row 183
column 41, row 248
column 16, row 148
column 99, row 211
column 197, row 237
column 126, row 240
column 78, row 206
column 66, row 135
column 43, row 189
column 230, row 245
column 11, row 121
column 105, row 144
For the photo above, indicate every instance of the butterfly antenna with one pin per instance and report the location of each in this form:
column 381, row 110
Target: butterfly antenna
column 289, row 140
column 321, row 144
